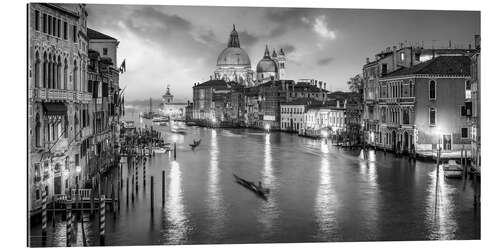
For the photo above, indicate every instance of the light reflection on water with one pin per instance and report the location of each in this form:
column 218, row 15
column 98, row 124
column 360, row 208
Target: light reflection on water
column 176, row 224
column 214, row 199
column 318, row 192
column 269, row 209
column 439, row 206
column 326, row 202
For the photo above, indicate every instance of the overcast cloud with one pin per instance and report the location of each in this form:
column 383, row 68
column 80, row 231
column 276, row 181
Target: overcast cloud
column 179, row 45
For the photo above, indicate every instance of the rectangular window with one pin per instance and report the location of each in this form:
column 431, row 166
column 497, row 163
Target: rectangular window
column 465, row 133
column 432, row 90
column 65, row 30
column 468, row 90
column 463, row 111
column 44, row 23
column 432, row 116
column 104, row 51
column 59, row 28
column 384, row 69
column 54, row 26
column 49, row 25
column 37, row 21
column 74, row 33
column 77, row 160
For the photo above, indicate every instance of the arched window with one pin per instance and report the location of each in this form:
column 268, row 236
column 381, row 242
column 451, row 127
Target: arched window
column 37, row 130
column 432, row 90
column 54, row 72
column 45, row 76
column 76, row 124
column 37, row 70
column 65, row 127
column 59, row 72
column 75, row 77
column 65, row 75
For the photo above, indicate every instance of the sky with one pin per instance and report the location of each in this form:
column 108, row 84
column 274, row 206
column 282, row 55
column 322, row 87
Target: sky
column 179, row 45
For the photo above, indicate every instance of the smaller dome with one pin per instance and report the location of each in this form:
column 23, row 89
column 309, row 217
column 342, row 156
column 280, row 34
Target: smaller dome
column 267, row 65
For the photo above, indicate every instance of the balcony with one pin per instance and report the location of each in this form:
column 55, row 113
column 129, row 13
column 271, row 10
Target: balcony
column 43, row 94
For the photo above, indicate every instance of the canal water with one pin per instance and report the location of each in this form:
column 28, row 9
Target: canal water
column 318, row 192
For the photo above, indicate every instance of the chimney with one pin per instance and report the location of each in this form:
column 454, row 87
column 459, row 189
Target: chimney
column 477, row 41
column 449, row 44
column 367, row 60
column 210, row 77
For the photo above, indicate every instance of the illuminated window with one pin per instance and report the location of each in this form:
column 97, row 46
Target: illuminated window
column 468, row 90
column 402, row 56
column 432, row 116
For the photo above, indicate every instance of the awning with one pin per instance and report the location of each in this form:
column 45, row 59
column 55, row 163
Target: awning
column 54, row 108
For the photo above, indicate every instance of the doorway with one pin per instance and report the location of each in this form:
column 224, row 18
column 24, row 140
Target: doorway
column 447, row 142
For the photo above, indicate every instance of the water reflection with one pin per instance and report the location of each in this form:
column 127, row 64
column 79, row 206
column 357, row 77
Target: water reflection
column 326, row 201
column 369, row 195
column 269, row 209
column 440, row 219
column 175, row 226
column 216, row 211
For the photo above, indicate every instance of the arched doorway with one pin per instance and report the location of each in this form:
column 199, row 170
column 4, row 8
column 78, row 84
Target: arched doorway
column 393, row 137
column 406, row 142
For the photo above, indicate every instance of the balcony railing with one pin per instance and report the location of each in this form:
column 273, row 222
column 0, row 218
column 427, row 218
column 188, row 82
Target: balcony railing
column 44, row 94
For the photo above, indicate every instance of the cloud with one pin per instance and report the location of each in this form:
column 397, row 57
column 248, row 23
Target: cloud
column 288, row 48
column 321, row 28
column 247, row 39
column 324, row 61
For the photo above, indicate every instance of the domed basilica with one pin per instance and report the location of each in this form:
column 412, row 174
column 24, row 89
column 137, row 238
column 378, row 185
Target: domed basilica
column 233, row 64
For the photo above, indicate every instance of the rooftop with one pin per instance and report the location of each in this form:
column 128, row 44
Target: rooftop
column 94, row 34
column 442, row 65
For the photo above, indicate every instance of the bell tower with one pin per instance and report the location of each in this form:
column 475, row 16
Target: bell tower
column 281, row 60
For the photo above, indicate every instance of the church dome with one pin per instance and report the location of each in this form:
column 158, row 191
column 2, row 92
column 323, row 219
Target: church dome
column 233, row 55
column 266, row 64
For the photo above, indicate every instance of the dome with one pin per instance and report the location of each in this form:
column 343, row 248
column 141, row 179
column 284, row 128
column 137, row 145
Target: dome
column 233, row 56
column 267, row 65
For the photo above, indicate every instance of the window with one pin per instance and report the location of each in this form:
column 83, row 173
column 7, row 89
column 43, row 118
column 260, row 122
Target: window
column 402, row 56
column 432, row 90
column 384, row 69
column 74, row 33
column 37, row 21
column 468, row 90
column 54, row 26
column 432, row 116
column 465, row 133
column 406, row 116
column 65, row 30
column 77, row 160
column 49, row 25
column 104, row 51
column 44, row 29
column 58, row 28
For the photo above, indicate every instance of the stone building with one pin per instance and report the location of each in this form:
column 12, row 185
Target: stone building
column 170, row 108
column 476, row 104
column 292, row 114
column 387, row 61
column 58, row 99
column 422, row 107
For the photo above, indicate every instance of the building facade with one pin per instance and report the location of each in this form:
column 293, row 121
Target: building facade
column 58, row 99
column 476, row 104
column 423, row 107
column 171, row 109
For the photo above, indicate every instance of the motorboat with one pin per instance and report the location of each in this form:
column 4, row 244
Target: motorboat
column 257, row 189
column 176, row 128
column 452, row 169
column 161, row 119
column 159, row 150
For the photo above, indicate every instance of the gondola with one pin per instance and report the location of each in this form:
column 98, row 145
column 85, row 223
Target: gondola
column 257, row 189
column 195, row 143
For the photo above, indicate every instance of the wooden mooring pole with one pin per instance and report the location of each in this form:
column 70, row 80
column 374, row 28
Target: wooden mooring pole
column 144, row 174
column 175, row 150
column 152, row 194
column 163, row 188
column 102, row 220
column 69, row 226
column 44, row 215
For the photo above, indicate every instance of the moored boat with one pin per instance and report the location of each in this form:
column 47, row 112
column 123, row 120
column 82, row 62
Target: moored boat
column 452, row 169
